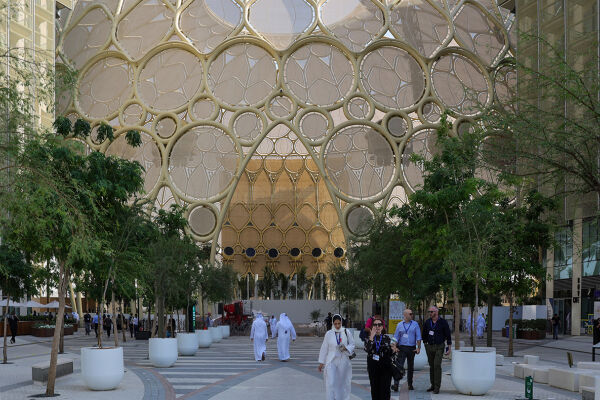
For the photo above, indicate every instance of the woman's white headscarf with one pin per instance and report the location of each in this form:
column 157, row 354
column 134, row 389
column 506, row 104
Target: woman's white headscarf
column 333, row 325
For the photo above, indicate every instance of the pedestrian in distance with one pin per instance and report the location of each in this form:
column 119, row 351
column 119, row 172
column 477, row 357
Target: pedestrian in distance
column 259, row 336
column 334, row 361
column 379, row 361
column 328, row 321
column 136, row 325
column 87, row 320
column 438, row 341
column 284, row 331
column 480, row 326
column 95, row 323
column 555, row 326
column 272, row 324
column 408, row 336
column 13, row 323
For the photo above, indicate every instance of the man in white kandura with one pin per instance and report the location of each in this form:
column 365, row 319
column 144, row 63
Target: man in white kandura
column 480, row 326
column 259, row 336
column 334, row 359
column 468, row 325
column 273, row 324
column 284, row 330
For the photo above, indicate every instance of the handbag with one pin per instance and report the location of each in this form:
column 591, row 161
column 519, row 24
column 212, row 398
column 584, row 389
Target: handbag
column 353, row 355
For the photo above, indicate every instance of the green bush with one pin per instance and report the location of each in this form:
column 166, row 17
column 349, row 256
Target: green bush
column 529, row 324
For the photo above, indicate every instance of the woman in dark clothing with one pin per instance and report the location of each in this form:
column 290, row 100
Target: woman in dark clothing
column 379, row 361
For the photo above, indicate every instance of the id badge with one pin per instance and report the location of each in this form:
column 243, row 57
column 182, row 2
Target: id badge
column 375, row 357
column 405, row 336
column 430, row 333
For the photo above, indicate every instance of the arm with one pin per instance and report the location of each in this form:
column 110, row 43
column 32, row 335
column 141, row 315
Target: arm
column 293, row 332
column 323, row 352
column 419, row 339
column 397, row 333
column 351, row 345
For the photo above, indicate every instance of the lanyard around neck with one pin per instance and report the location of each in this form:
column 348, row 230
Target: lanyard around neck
column 404, row 326
column 338, row 337
column 378, row 343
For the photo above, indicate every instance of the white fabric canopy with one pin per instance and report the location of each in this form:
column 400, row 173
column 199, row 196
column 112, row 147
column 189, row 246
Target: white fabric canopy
column 34, row 304
column 53, row 304
column 11, row 304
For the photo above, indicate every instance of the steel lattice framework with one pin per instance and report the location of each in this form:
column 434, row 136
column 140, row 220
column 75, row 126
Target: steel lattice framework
column 282, row 123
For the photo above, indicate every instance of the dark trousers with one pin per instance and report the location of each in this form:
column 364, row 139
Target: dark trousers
column 96, row 329
column 407, row 353
column 380, row 377
column 435, row 352
column 108, row 332
column 13, row 332
column 555, row 332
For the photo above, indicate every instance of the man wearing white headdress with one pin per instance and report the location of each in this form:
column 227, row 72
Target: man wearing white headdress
column 284, row 330
column 259, row 336
column 273, row 324
column 480, row 326
column 334, row 360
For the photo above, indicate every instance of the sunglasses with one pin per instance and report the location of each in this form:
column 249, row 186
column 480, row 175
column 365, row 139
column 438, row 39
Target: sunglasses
column 377, row 324
column 431, row 311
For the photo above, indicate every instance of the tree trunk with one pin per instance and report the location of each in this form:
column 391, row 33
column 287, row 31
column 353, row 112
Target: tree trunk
column 63, row 273
column 4, row 350
column 510, row 326
column 490, row 302
column 476, row 301
column 472, row 327
column 113, row 316
column 456, row 309
column 160, row 316
column 73, row 298
column 61, row 343
column 150, row 320
column 100, row 323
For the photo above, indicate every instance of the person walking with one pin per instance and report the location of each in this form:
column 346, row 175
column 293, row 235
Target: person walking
column 555, row 326
column 379, row 361
column 480, row 326
column 272, row 324
column 87, row 320
column 284, row 331
column 408, row 336
column 259, row 336
column 107, row 324
column 436, row 335
column 95, row 323
column 13, row 323
column 596, row 331
column 334, row 361
column 136, row 325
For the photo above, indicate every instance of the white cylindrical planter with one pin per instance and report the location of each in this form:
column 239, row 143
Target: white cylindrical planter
column 420, row 360
column 357, row 340
column 464, row 363
column 187, row 343
column 225, row 332
column 102, row 369
column 204, row 338
column 215, row 333
column 162, row 352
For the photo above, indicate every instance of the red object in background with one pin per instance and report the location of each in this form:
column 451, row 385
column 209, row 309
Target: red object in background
column 234, row 316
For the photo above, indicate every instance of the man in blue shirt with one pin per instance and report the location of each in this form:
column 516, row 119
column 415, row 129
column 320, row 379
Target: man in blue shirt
column 408, row 335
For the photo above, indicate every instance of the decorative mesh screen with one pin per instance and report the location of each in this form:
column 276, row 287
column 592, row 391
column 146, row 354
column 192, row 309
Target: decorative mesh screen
column 282, row 123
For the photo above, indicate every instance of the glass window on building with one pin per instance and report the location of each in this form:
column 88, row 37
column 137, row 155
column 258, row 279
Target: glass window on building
column 590, row 253
column 563, row 253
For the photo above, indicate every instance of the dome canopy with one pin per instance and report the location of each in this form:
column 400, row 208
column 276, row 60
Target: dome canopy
column 351, row 86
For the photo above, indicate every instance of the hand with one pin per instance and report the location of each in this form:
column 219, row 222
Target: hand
column 449, row 350
column 418, row 350
column 321, row 367
column 372, row 335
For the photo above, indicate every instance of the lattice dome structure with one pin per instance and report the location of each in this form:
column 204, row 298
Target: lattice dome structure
column 282, row 124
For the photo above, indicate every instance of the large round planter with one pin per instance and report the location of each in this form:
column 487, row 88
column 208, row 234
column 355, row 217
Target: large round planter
column 464, row 363
column 357, row 339
column 420, row 360
column 225, row 332
column 216, row 334
column 102, row 369
column 162, row 352
column 187, row 344
column 204, row 338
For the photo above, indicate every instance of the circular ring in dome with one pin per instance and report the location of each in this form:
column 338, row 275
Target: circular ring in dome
column 358, row 106
column 165, row 125
column 228, row 251
column 331, row 75
column 203, row 107
column 397, row 124
column 317, row 252
column 273, row 253
column 250, row 252
column 132, row 113
column 314, row 124
column 338, row 252
column 242, row 74
column 202, row 220
column 247, row 125
column 359, row 220
column 281, row 106
column 295, row 252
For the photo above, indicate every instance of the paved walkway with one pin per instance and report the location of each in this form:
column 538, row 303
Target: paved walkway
column 226, row 371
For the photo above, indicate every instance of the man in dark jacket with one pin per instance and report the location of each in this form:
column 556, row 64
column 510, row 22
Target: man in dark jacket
column 438, row 341
column 13, row 323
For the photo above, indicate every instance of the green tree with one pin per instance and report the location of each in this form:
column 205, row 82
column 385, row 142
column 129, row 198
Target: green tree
column 18, row 277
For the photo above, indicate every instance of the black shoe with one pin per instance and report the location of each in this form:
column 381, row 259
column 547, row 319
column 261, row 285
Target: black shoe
column 395, row 387
column 410, row 387
column 430, row 389
column 263, row 357
column 436, row 391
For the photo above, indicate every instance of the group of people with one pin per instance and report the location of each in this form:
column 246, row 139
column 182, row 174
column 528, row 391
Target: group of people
column 477, row 325
column 385, row 355
column 283, row 330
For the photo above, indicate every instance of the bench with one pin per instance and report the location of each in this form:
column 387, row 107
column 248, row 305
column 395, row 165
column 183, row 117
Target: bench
column 539, row 373
column 588, row 365
column 39, row 372
column 531, row 359
column 567, row 379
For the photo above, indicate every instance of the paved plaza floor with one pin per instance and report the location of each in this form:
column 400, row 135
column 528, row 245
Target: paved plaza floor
column 227, row 371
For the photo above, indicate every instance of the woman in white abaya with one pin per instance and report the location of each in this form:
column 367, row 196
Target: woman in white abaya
column 284, row 330
column 260, row 336
column 334, row 361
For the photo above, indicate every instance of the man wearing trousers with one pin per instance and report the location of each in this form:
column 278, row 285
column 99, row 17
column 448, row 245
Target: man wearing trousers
column 408, row 335
column 436, row 335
